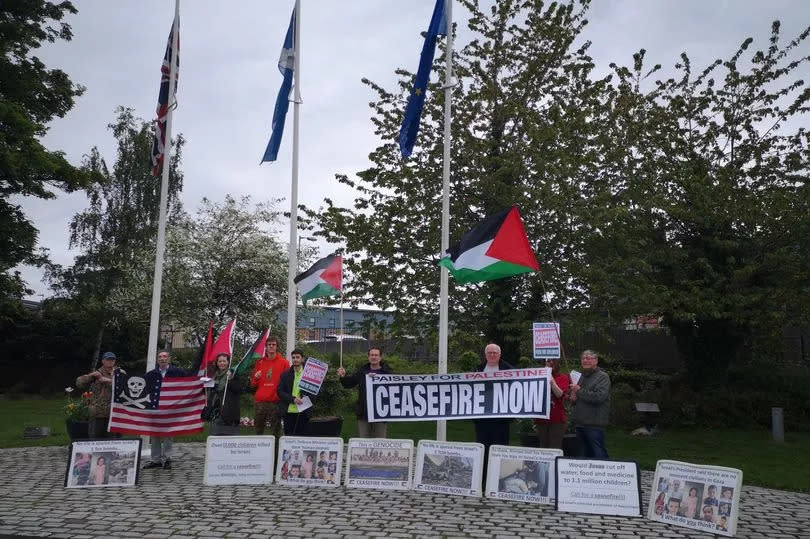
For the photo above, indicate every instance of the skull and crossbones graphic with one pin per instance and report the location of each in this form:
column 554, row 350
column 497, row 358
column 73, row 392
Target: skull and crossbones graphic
column 135, row 386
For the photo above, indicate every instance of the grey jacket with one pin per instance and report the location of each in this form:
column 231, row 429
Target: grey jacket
column 592, row 407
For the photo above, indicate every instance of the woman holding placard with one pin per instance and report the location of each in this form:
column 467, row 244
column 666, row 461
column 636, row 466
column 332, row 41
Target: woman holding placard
column 550, row 431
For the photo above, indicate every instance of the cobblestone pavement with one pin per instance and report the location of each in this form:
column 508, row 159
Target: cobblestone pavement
column 176, row 504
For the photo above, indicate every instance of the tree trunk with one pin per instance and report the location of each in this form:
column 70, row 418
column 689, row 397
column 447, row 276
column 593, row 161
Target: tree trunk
column 97, row 348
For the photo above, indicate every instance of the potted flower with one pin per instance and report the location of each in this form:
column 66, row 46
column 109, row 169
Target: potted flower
column 77, row 415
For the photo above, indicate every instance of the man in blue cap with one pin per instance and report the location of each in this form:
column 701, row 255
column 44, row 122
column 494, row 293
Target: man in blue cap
column 99, row 384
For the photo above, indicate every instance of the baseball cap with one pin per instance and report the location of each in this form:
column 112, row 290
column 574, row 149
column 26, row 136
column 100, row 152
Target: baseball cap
column 108, row 355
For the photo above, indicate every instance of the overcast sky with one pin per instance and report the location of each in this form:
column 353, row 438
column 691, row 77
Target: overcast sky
column 229, row 81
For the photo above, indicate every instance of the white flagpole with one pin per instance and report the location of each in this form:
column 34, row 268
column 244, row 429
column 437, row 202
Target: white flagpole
column 441, row 426
column 160, row 250
column 292, row 254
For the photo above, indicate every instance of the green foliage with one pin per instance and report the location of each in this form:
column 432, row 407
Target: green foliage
column 31, row 95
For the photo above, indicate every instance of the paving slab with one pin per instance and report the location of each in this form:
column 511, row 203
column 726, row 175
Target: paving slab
column 175, row 503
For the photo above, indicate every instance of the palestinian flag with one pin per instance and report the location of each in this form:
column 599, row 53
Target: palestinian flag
column 324, row 278
column 496, row 248
column 253, row 354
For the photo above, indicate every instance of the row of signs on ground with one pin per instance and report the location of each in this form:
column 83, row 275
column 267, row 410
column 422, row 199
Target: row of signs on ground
column 698, row 497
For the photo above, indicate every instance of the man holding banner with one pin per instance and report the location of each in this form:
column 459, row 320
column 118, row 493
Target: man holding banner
column 492, row 431
column 375, row 365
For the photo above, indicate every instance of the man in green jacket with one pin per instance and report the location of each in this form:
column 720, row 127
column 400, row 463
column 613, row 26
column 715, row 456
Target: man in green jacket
column 591, row 398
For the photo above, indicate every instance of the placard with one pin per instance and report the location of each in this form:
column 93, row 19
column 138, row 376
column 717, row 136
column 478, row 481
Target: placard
column 469, row 395
column 597, row 486
column 379, row 463
column 313, row 462
column 705, row 498
column 313, row 375
column 546, row 340
column 449, row 467
column 103, row 463
column 239, row 460
column 525, row 474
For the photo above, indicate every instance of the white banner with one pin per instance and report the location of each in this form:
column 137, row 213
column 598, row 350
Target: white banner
column 379, row 463
column 705, row 498
column 449, row 467
column 103, row 463
column 470, row 395
column 524, row 474
column 601, row 487
column 239, row 460
column 312, row 462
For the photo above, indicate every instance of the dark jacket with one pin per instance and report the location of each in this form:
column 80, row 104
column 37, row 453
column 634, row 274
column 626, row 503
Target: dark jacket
column 358, row 378
column 592, row 407
column 285, row 388
column 229, row 413
column 503, row 366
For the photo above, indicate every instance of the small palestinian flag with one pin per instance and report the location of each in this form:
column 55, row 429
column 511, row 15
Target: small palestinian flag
column 324, row 278
column 253, row 354
column 496, row 248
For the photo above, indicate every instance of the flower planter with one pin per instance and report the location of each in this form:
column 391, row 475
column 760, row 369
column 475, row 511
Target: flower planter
column 529, row 439
column 571, row 445
column 329, row 426
column 77, row 430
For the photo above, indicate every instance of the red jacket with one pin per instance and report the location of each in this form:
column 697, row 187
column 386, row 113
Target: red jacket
column 557, row 403
column 266, row 384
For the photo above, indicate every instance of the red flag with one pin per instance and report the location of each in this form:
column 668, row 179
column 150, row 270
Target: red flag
column 206, row 353
column 224, row 343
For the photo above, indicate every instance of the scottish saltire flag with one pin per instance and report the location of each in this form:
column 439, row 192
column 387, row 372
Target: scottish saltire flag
column 413, row 111
column 286, row 64
column 164, row 103
column 151, row 405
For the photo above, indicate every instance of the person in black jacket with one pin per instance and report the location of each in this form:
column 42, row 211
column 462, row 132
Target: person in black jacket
column 375, row 365
column 223, row 399
column 296, row 423
column 492, row 431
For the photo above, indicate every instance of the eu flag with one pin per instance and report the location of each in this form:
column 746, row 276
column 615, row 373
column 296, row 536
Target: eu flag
column 413, row 111
column 286, row 63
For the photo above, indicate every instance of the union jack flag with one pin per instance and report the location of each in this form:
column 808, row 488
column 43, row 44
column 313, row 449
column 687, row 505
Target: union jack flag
column 156, row 406
column 163, row 106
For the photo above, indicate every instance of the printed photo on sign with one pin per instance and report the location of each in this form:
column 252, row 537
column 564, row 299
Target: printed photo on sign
column 598, row 486
column 379, row 463
column 468, row 395
column 705, row 498
column 449, row 467
column 312, row 462
column 239, row 460
column 103, row 463
column 521, row 473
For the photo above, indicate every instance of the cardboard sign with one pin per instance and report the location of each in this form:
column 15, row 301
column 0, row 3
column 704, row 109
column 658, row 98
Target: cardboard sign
column 546, row 340
column 705, row 498
column 597, row 486
column 379, row 463
column 313, row 375
column 239, row 460
column 311, row 462
column 525, row 474
column 449, row 467
column 103, row 463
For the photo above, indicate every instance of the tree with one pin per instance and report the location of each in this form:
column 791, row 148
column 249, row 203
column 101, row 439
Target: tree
column 521, row 135
column 117, row 232
column 31, row 95
column 224, row 262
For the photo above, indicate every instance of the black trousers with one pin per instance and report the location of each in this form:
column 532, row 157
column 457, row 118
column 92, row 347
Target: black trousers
column 296, row 424
column 490, row 432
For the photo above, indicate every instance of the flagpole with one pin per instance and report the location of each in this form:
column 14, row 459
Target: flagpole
column 160, row 250
column 292, row 254
column 441, row 426
column 341, row 319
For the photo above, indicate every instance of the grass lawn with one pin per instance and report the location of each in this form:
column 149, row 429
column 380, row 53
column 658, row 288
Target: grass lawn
column 763, row 462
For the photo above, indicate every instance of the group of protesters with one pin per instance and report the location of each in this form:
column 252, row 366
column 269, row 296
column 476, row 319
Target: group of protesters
column 278, row 396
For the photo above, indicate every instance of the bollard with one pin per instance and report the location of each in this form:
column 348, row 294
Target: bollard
column 778, row 425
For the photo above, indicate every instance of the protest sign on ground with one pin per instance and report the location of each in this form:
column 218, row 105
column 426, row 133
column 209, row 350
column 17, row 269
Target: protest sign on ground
column 313, row 375
column 309, row 461
column 379, row 463
column 471, row 395
column 524, row 474
column 602, row 487
column 103, row 463
column 705, row 498
column 449, row 467
column 546, row 340
column 239, row 460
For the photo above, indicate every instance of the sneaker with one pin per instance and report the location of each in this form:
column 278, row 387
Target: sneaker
column 151, row 465
column 167, row 465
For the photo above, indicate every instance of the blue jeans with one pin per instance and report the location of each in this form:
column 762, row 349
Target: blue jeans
column 592, row 442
